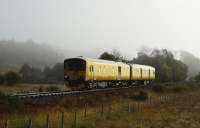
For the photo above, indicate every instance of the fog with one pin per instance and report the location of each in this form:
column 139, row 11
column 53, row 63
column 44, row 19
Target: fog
column 88, row 27
column 192, row 62
column 14, row 54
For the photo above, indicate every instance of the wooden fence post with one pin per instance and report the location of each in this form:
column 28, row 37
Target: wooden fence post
column 159, row 99
column 30, row 123
column 102, row 109
column 47, row 121
column 85, row 112
column 110, row 107
column 150, row 100
column 62, row 120
column 138, row 106
column 129, row 107
column 6, row 124
column 75, row 119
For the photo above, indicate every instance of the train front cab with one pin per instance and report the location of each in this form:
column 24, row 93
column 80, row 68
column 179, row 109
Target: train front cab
column 74, row 71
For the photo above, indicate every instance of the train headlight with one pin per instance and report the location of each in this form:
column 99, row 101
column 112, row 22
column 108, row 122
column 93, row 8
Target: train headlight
column 66, row 77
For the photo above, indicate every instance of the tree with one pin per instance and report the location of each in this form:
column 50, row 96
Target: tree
column 58, row 72
column 197, row 77
column 167, row 67
column 26, row 73
column 2, row 79
column 180, row 71
column 107, row 56
column 47, row 73
column 36, row 75
column 165, row 73
column 12, row 78
column 115, row 55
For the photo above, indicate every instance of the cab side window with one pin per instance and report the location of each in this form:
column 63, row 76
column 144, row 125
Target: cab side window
column 91, row 69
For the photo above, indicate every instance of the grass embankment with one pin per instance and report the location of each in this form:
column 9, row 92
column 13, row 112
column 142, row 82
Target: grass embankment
column 29, row 88
column 127, row 108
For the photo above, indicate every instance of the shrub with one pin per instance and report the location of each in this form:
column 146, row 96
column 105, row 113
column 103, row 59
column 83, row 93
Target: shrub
column 178, row 89
column 53, row 89
column 41, row 89
column 197, row 78
column 142, row 95
column 12, row 78
column 9, row 103
column 159, row 88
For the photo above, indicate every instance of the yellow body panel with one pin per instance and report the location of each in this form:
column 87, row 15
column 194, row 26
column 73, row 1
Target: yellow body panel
column 142, row 72
column 106, row 72
column 75, row 75
column 136, row 74
column 111, row 71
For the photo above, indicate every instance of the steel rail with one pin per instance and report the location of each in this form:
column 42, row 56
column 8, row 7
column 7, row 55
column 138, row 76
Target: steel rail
column 66, row 93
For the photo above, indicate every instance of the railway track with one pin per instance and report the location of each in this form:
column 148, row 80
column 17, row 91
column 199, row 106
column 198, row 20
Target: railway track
column 75, row 93
column 67, row 93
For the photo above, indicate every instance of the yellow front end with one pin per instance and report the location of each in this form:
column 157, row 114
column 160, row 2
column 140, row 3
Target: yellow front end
column 74, row 75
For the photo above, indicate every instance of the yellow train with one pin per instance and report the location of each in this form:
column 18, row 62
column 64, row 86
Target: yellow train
column 82, row 73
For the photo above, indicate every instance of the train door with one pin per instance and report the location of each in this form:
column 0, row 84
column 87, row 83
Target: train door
column 119, row 73
column 91, row 73
column 149, row 75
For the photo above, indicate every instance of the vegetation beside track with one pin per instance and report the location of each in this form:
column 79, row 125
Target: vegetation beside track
column 172, row 106
column 15, row 108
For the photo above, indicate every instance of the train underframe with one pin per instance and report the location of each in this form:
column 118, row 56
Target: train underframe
column 85, row 85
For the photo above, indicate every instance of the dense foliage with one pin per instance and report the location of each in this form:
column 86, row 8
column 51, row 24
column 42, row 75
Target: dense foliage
column 168, row 69
column 10, row 78
column 197, row 78
column 107, row 56
column 47, row 75
column 115, row 55
column 28, row 74
column 2, row 79
column 9, row 103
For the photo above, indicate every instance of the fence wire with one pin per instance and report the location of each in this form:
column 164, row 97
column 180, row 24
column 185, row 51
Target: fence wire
column 106, row 111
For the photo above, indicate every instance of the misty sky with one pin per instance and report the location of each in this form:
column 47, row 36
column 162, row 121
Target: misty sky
column 89, row 27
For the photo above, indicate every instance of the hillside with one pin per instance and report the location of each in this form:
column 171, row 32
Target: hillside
column 192, row 62
column 13, row 54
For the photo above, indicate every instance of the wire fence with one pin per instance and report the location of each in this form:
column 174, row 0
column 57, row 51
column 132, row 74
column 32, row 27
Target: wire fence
column 74, row 119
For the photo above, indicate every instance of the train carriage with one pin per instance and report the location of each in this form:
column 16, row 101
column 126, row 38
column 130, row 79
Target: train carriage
column 83, row 72
column 142, row 73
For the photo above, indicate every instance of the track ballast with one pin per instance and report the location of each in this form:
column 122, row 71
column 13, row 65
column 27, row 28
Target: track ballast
column 68, row 93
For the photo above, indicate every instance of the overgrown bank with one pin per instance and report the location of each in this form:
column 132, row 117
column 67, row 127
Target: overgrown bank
column 14, row 105
column 127, row 108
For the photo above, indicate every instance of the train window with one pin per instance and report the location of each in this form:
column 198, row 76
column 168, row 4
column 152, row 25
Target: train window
column 75, row 64
column 91, row 69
